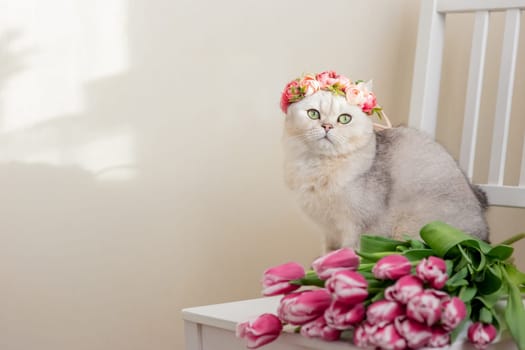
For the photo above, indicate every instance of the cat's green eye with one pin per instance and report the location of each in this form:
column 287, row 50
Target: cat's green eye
column 313, row 114
column 344, row 118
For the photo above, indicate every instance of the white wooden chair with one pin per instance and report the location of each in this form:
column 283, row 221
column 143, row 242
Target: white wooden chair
column 426, row 81
column 213, row 327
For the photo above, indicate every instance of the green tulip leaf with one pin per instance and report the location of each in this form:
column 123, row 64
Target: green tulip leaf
column 417, row 254
column 379, row 244
column 467, row 293
column 442, row 238
column 485, row 315
column 501, row 252
column 515, row 313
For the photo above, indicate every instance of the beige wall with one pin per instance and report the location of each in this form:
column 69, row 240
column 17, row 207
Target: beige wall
column 140, row 159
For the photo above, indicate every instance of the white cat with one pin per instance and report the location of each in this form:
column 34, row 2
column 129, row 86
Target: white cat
column 351, row 179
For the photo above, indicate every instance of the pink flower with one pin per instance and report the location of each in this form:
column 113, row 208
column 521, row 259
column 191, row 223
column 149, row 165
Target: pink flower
column 361, row 336
column 319, row 329
column 454, row 311
column 302, row 307
column 276, row 280
column 383, row 311
column 404, row 289
column 440, row 338
column 386, row 337
column 343, row 316
column 327, row 78
column 355, row 96
column 416, row 334
column 291, row 93
column 369, row 103
column 425, row 307
column 348, row 286
column 434, row 271
column 481, row 334
column 263, row 330
column 392, row 267
column 341, row 259
column 309, row 85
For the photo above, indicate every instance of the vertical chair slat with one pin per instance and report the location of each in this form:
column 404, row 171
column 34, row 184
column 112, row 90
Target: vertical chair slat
column 522, row 172
column 504, row 98
column 427, row 69
column 474, row 88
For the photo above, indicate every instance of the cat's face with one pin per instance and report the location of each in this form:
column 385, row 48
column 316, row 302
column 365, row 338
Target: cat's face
column 325, row 124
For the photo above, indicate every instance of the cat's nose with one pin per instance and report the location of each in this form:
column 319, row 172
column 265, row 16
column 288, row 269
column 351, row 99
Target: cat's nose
column 327, row 126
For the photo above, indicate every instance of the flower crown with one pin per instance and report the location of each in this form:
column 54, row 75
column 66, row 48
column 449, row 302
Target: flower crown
column 356, row 93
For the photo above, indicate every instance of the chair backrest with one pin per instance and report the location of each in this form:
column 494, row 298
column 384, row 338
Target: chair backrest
column 426, row 81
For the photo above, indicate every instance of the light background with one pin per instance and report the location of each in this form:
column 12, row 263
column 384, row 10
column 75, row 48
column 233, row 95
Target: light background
column 140, row 158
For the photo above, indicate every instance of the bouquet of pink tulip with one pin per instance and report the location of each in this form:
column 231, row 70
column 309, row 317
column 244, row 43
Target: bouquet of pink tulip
column 394, row 294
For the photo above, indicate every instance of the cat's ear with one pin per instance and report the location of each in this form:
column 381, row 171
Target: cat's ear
column 369, row 85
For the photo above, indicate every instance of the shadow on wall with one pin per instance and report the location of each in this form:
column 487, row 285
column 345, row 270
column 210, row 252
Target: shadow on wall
column 105, row 206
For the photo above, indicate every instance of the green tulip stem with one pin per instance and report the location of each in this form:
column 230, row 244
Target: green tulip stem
column 513, row 239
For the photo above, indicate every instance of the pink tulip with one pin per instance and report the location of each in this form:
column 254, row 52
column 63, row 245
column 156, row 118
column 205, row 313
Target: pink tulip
column 481, row 334
column 454, row 311
column 348, row 286
column 361, row 336
column 425, row 307
column 302, row 307
column 319, row 329
column 263, row 330
column 392, row 267
column 276, row 280
column 343, row 316
column 341, row 259
column 440, row 338
column 404, row 289
column 387, row 338
column 434, row 271
column 416, row 334
column 383, row 311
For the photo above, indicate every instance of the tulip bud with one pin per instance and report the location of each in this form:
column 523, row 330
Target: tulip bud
column 434, row 271
column 481, row 334
column 319, row 329
column 392, row 267
column 454, row 311
column 387, row 337
column 425, row 307
column 341, row 259
column 348, row 286
column 440, row 338
column 383, row 311
column 361, row 336
column 404, row 289
column 263, row 330
column 276, row 280
column 302, row 307
column 343, row 316
column 416, row 334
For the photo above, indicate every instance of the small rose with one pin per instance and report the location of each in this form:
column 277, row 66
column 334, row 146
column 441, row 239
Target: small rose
column 454, row 311
column 355, row 96
column 302, row 307
column 341, row 259
column 318, row 328
column 263, row 330
column 434, row 271
column 416, row 334
column 425, row 307
column 404, row 289
column 343, row 316
column 309, row 85
column 481, row 334
column 370, row 103
column 392, row 267
column 276, row 280
column 292, row 93
column 327, row 78
column 348, row 286
column 386, row 337
column 440, row 338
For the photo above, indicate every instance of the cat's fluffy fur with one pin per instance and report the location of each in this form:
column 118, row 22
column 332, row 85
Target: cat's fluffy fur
column 352, row 180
